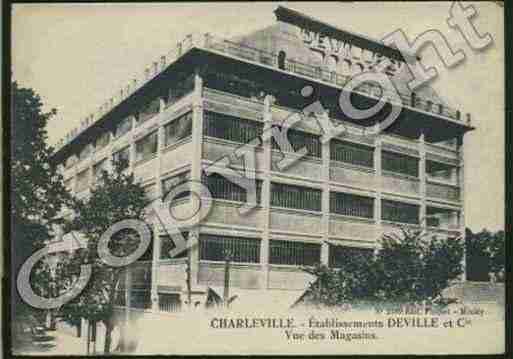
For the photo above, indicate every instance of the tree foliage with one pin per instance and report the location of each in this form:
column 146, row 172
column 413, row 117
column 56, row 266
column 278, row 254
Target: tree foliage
column 37, row 188
column 115, row 198
column 37, row 192
column 485, row 255
column 408, row 267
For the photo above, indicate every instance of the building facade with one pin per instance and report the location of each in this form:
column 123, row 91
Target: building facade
column 214, row 99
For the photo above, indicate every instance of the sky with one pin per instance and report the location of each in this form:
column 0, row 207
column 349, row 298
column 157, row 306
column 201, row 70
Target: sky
column 77, row 56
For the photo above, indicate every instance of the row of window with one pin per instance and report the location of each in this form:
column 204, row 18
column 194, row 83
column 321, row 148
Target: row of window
column 305, row 198
column 243, row 131
column 174, row 131
column 287, row 196
column 146, row 147
column 247, row 250
column 149, row 109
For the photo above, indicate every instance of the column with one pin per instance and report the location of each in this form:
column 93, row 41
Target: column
column 92, row 161
column 423, row 179
column 160, row 146
column 461, row 184
column 128, row 285
column 325, row 204
column 74, row 178
column 154, row 269
column 266, row 193
column 196, row 168
column 156, row 225
column 132, row 146
column 110, row 166
column 379, row 185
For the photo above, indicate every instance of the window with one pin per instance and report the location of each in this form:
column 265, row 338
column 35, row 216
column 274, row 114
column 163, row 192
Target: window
column 339, row 254
column 345, row 67
column 180, row 89
column 282, row 57
column 331, row 63
column 122, row 157
column 83, row 180
column 102, row 140
column 171, row 182
column 167, row 244
column 223, row 188
column 170, row 302
column 231, row 128
column 351, row 205
column 146, row 147
column 399, row 163
column 294, row 253
column 441, row 217
column 123, row 127
column 241, row 250
column 178, row 129
column 439, row 170
column 290, row 196
column 399, row 212
column 352, row 153
column 298, row 140
column 149, row 110
column 433, row 222
column 140, row 298
column 233, row 84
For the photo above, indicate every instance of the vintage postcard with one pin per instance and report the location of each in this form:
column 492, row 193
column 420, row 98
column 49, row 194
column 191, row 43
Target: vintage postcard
column 249, row 178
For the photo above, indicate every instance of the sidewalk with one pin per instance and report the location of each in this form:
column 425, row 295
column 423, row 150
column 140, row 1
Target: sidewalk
column 60, row 344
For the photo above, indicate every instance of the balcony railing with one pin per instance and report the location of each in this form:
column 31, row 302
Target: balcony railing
column 238, row 50
column 322, row 73
column 443, row 191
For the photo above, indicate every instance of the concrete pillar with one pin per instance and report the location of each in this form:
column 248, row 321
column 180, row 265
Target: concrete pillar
column 128, row 285
column 325, row 202
column 154, row 269
column 461, row 183
column 196, row 166
column 110, row 166
column 132, row 146
column 379, row 184
column 266, row 194
column 92, row 161
column 160, row 146
column 156, row 224
column 423, row 179
column 74, row 179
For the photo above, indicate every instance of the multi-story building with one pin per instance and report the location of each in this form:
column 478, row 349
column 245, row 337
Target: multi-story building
column 211, row 96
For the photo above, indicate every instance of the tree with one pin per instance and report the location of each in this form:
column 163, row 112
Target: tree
column 37, row 189
column 485, row 255
column 408, row 267
column 497, row 253
column 355, row 279
column 37, row 192
column 477, row 255
column 115, row 198
column 416, row 266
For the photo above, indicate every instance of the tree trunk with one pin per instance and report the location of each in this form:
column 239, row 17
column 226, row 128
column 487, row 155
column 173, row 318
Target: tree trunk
column 108, row 336
column 109, row 322
column 88, row 337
